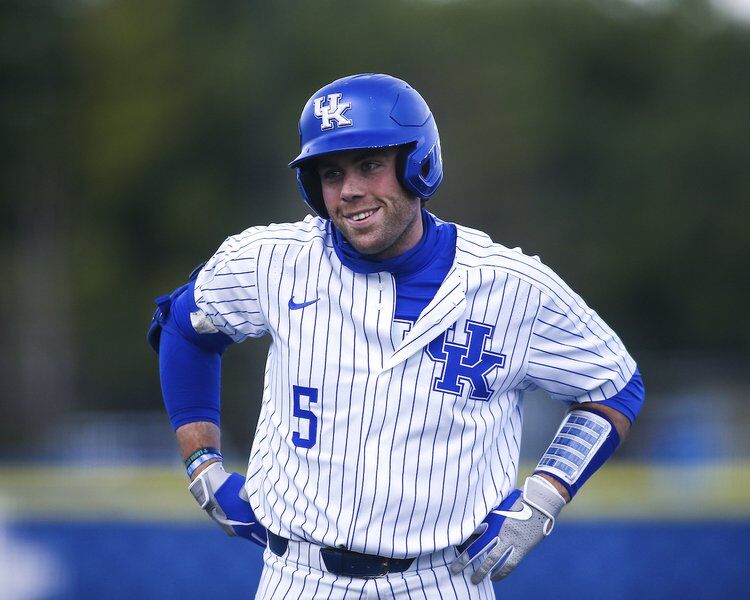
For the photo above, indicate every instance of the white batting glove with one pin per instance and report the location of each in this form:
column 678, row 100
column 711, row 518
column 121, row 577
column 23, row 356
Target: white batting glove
column 222, row 495
column 511, row 530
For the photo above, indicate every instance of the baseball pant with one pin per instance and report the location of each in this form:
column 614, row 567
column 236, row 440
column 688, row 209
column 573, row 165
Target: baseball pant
column 301, row 574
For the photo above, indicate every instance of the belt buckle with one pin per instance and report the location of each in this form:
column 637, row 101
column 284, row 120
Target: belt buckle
column 353, row 564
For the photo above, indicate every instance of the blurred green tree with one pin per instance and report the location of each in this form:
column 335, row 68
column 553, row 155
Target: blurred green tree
column 607, row 137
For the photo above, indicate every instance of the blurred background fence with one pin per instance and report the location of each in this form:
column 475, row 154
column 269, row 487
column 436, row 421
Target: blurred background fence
column 610, row 137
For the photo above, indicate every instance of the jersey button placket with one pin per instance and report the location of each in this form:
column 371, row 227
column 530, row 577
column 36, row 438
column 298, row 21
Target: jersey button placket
column 387, row 291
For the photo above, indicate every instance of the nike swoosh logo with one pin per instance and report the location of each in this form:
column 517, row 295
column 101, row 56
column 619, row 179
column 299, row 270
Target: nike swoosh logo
column 239, row 523
column 520, row 515
column 229, row 521
column 294, row 306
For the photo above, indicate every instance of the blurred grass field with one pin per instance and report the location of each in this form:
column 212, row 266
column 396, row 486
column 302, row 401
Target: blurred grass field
column 622, row 491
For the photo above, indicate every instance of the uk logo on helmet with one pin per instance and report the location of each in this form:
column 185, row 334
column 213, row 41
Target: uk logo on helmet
column 333, row 112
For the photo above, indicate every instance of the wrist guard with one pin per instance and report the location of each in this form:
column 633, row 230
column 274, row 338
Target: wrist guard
column 584, row 441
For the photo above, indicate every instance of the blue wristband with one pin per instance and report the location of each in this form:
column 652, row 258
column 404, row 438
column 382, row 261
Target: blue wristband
column 200, row 452
column 200, row 460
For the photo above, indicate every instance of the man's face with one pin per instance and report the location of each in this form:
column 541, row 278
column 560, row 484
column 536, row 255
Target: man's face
column 367, row 203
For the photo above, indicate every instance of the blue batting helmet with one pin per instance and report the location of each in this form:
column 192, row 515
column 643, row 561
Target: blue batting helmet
column 369, row 111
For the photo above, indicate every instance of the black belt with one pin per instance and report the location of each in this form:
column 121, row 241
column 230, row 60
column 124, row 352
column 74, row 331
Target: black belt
column 347, row 563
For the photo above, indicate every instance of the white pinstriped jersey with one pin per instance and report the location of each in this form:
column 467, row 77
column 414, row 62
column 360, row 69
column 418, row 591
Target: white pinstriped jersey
column 387, row 437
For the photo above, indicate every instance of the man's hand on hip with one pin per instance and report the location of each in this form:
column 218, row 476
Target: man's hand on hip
column 511, row 530
column 222, row 495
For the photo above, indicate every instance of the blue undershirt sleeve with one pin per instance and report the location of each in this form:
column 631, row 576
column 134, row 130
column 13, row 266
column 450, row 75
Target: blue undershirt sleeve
column 629, row 399
column 190, row 365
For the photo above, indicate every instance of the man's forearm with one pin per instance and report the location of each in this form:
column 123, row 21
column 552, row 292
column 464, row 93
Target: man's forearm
column 197, row 435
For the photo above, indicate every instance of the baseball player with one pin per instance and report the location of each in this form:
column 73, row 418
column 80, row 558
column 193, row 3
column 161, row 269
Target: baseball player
column 385, row 459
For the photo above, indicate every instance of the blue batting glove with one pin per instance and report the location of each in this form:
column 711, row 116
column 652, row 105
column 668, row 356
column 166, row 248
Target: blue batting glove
column 222, row 495
column 511, row 530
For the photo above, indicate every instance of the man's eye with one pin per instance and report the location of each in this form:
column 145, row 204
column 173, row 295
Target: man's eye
column 330, row 174
column 369, row 165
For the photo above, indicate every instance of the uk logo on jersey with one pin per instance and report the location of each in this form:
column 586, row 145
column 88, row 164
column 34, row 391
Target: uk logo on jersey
column 466, row 363
column 333, row 112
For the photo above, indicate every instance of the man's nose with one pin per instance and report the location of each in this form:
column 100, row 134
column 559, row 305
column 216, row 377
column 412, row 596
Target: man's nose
column 352, row 188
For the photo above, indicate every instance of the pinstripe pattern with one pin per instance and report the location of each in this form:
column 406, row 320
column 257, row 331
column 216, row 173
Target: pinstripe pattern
column 397, row 468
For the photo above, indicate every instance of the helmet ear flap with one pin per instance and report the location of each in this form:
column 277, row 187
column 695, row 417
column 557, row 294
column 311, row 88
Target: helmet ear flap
column 431, row 173
column 401, row 159
column 308, row 181
column 422, row 169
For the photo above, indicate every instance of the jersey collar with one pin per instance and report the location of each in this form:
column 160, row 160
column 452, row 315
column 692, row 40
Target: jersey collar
column 410, row 262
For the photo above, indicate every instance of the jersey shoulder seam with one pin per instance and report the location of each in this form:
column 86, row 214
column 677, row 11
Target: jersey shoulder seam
column 269, row 235
column 476, row 250
column 514, row 262
column 299, row 233
column 254, row 238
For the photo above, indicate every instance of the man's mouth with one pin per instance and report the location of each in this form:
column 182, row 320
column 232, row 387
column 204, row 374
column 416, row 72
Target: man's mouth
column 362, row 216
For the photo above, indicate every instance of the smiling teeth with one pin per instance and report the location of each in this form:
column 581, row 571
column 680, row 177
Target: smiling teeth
column 363, row 215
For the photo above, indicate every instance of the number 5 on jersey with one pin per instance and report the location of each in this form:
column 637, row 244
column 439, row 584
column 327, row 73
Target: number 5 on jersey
column 311, row 394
